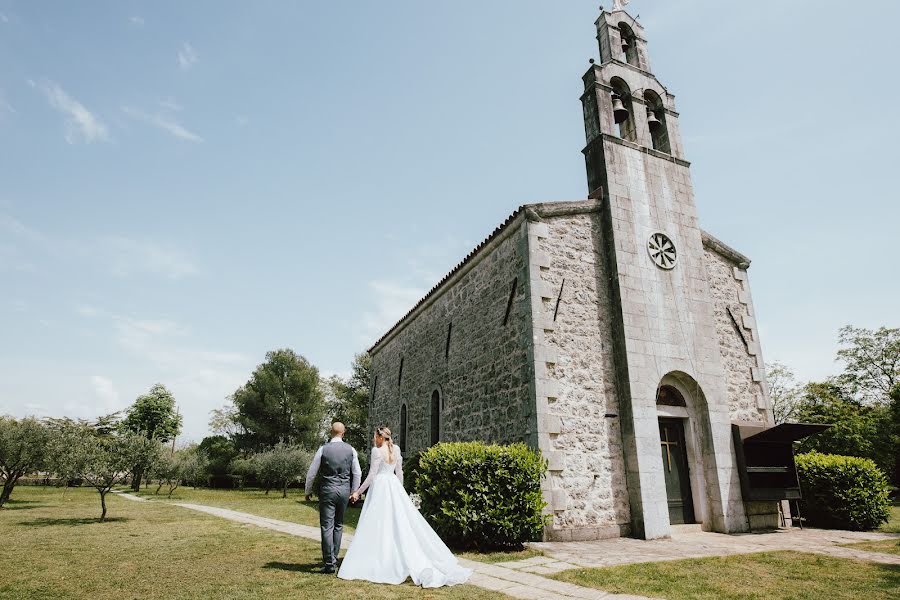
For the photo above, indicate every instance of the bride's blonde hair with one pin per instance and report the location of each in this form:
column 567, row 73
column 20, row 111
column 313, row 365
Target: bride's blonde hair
column 385, row 433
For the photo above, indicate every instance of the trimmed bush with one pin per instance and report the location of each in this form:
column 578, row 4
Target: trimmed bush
column 842, row 492
column 480, row 496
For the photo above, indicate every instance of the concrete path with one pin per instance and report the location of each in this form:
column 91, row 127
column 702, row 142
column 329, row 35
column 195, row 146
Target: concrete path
column 494, row 577
column 699, row 544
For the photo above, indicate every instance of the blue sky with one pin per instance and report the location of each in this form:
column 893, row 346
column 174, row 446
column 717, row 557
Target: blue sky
column 184, row 186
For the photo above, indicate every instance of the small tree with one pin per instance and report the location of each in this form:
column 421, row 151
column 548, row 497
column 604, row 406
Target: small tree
column 784, row 391
column 63, row 436
column 104, row 461
column 280, row 466
column 871, row 362
column 173, row 469
column 152, row 415
column 23, row 448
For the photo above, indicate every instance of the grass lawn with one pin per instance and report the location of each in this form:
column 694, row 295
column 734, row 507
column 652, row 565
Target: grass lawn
column 887, row 546
column 499, row 557
column 893, row 524
column 293, row 508
column 54, row 547
column 760, row 576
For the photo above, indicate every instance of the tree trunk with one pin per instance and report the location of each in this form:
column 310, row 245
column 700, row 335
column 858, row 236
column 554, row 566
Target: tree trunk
column 159, row 487
column 8, row 486
column 103, row 505
column 136, row 479
column 284, row 490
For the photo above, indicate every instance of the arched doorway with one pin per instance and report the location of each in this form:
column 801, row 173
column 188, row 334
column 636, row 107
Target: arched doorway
column 675, row 455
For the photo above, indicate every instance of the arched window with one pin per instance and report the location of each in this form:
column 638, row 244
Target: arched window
column 401, row 441
column 668, row 395
column 623, row 115
column 435, row 417
column 629, row 44
column 656, row 121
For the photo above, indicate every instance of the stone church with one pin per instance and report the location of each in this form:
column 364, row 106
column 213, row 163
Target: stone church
column 612, row 333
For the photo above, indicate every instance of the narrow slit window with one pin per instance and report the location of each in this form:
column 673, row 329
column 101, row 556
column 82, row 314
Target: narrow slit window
column 558, row 298
column 447, row 345
column 400, row 373
column 512, row 296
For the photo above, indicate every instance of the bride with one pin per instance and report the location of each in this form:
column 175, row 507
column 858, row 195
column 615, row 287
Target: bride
column 392, row 540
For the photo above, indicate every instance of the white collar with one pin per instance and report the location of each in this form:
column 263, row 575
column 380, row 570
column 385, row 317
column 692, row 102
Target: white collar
column 336, row 438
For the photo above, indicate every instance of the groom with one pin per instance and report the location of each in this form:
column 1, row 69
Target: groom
column 337, row 462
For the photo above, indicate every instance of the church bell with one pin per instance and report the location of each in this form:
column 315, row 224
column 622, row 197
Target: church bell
column 625, row 44
column 620, row 113
column 652, row 122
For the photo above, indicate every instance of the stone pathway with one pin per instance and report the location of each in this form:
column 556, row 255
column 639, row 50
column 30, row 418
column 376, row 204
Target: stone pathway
column 699, row 544
column 517, row 582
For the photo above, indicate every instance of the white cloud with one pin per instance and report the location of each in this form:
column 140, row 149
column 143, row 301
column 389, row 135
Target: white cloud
column 187, row 56
column 170, row 104
column 4, row 18
column 118, row 255
column 106, row 393
column 128, row 256
column 163, row 122
column 81, row 124
column 136, row 20
column 389, row 302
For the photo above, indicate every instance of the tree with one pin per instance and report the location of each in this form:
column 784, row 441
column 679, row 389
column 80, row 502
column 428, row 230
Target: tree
column 152, row 415
column 174, row 468
column 349, row 401
column 282, row 402
column 224, row 421
column 281, row 465
column 218, row 452
column 871, row 362
column 63, row 435
column 103, row 461
column 23, row 448
column 857, row 429
column 784, row 391
column 894, row 420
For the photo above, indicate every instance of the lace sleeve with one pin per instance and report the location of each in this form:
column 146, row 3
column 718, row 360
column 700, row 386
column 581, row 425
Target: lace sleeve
column 374, row 465
column 398, row 464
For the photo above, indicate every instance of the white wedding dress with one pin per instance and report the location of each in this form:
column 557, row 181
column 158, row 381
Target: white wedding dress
column 392, row 540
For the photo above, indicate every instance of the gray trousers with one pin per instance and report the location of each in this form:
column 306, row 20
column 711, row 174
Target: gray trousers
column 332, row 504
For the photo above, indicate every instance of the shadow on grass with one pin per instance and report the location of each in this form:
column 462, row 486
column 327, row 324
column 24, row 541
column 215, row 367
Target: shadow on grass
column 70, row 522
column 314, row 568
column 22, row 505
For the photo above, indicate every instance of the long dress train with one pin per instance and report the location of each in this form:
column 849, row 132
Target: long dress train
column 392, row 540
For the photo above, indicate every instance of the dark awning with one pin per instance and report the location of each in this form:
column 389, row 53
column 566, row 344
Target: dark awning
column 787, row 432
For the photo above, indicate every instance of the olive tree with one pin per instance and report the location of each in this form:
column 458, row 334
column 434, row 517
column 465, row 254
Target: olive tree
column 280, row 466
column 23, row 450
column 103, row 461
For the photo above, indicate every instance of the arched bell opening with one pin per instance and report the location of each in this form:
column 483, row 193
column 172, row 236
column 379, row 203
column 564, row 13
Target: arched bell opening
column 623, row 110
column 629, row 44
column 656, row 122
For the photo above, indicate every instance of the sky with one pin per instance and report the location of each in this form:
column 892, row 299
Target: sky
column 185, row 186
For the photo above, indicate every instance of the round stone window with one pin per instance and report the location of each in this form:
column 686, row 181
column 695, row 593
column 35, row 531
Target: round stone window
column 662, row 250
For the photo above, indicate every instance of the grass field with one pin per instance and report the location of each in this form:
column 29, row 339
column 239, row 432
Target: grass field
column 888, row 546
column 53, row 547
column 762, row 576
column 294, row 509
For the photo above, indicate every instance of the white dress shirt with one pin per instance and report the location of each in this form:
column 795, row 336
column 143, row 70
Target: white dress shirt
column 317, row 462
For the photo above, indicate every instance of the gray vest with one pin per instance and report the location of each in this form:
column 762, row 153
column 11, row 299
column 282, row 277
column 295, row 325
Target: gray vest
column 337, row 467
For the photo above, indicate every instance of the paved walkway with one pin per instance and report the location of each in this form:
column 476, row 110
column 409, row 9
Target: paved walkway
column 493, row 577
column 699, row 544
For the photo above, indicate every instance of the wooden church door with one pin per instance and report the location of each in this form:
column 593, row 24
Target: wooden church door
column 675, row 468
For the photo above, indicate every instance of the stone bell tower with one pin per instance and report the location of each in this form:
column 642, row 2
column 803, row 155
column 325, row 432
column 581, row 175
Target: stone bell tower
column 664, row 327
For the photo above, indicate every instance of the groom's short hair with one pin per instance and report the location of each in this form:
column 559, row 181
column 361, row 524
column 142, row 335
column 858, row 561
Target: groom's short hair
column 337, row 428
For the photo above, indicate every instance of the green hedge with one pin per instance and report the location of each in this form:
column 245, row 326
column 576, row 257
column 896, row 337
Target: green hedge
column 480, row 496
column 842, row 492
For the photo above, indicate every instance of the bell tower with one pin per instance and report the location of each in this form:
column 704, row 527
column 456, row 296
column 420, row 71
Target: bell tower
column 663, row 324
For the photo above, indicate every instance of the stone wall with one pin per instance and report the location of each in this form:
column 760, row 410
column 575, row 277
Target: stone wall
column 485, row 379
column 587, row 483
column 738, row 339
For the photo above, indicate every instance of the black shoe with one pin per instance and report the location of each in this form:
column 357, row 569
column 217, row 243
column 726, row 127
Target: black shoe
column 328, row 570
